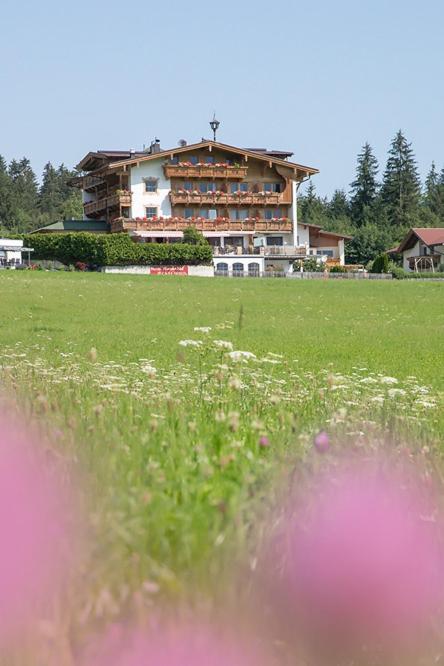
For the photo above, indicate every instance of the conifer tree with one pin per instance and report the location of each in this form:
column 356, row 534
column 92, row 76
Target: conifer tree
column 364, row 188
column 401, row 187
column 5, row 196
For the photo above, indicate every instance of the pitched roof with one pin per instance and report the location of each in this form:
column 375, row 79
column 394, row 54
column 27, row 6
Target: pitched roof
column 75, row 225
column 325, row 232
column 145, row 157
column 428, row 235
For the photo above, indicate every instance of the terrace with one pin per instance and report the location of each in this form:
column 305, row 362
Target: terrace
column 188, row 170
column 114, row 200
column 121, row 224
column 224, row 198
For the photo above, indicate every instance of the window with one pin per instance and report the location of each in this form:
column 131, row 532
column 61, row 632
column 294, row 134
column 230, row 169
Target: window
column 238, row 213
column 203, row 212
column 209, row 160
column 193, row 159
column 272, row 187
column 188, row 187
column 222, row 267
column 150, row 212
column 253, row 269
column 174, row 160
column 239, row 187
column 325, row 253
column 272, row 213
column 151, row 184
column 205, row 187
column 275, row 240
column 238, row 268
column 189, row 212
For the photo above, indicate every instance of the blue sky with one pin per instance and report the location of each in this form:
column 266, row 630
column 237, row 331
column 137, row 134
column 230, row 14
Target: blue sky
column 318, row 78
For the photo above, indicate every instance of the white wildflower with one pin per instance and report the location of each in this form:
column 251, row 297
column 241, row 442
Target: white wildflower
column 190, row 343
column 394, row 392
column 388, row 380
column 241, row 355
column 202, row 329
column 223, row 344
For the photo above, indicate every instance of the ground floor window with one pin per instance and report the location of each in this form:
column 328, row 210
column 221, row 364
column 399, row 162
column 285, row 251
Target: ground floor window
column 325, row 253
column 222, row 267
column 253, row 269
column 238, row 268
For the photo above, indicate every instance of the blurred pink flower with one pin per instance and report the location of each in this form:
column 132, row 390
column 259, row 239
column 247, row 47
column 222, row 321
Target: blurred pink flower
column 264, row 441
column 322, row 442
column 189, row 645
column 32, row 528
column 362, row 560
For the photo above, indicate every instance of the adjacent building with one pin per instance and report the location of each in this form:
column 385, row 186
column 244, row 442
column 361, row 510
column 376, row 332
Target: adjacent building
column 11, row 253
column 422, row 249
column 244, row 201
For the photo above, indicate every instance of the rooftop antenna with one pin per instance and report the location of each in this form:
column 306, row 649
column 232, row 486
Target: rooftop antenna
column 214, row 124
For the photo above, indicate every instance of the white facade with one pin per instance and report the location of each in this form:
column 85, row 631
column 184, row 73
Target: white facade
column 10, row 252
column 141, row 199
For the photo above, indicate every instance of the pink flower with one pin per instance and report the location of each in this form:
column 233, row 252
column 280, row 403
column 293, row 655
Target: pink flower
column 362, row 561
column 322, row 442
column 264, row 441
column 34, row 513
column 181, row 646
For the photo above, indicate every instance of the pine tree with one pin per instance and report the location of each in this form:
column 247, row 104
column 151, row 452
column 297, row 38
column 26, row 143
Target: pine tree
column 24, row 195
column 338, row 206
column 434, row 194
column 401, row 187
column 364, row 188
column 5, row 196
column 313, row 210
column 50, row 196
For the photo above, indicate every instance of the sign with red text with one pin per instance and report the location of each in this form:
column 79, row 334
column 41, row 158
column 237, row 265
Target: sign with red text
column 169, row 270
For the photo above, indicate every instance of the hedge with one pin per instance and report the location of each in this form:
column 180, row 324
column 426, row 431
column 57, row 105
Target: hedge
column 113, row 250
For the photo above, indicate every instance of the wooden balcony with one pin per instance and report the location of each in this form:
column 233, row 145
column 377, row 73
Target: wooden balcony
column 204, row 171
column 276, row 251
column 90, row 182
column 114, row 200
column 121, row 224
column 225, row 199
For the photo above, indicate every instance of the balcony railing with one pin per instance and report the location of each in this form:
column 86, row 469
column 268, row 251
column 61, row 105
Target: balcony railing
column 225, row 199
column 111, row 201
column 186, row 170
column 202, row 224
column 267, row 251
column 92, row 181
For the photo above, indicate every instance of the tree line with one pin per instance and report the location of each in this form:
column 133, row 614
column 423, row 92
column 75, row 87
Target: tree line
column 376, row 211
column 25, row 205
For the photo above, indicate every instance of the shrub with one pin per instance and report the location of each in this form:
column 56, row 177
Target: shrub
column 113, row 250
column 192, row 236
column 338, row 269
column 398, row 273
column 311, row 265
column 380, row 264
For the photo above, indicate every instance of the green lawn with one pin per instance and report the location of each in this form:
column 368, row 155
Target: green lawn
column 171, row 437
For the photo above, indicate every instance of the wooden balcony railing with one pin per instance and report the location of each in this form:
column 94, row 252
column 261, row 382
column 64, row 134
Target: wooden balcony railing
column 111, row 201
column 202, row 224
column 90, row 182
column 204, row 171
column 226, row 199
column 267, row 251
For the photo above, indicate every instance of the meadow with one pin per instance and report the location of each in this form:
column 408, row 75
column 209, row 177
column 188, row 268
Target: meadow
column 184, row 402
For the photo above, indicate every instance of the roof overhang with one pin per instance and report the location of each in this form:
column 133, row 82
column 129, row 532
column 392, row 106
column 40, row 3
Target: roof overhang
column 292, row 169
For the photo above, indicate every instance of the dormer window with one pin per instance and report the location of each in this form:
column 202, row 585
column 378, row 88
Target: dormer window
column 151, row 184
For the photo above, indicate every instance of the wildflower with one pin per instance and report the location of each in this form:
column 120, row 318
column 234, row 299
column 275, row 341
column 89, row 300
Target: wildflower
column 394, row 392
column 92, row 354
column 388, row 380
column 264, row 441
column 241, row 356
column 233, row 421
column 149, row 370
column 322, row 441
column 223, row 344
column 235, row 383
column 190, row 343
column 351, row 552
column 202, row 329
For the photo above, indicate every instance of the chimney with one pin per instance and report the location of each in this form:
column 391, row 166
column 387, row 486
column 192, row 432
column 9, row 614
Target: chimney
column 155, row 146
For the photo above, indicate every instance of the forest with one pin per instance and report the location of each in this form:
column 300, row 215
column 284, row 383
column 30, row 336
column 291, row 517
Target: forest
column 376, row 208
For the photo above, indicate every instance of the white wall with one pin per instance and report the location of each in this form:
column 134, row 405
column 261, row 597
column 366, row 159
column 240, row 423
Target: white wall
column 240, row 260
column 304, row 235
column 140, row 198
column 413, row 252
